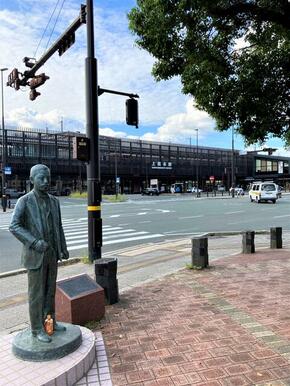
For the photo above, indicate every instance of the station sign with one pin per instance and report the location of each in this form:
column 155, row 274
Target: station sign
column 161, row 165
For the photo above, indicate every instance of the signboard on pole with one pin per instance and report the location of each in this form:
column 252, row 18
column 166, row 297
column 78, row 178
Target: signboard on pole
column 8, row 170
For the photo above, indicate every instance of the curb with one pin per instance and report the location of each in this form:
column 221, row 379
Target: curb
column 20, row 271
column 75, row 260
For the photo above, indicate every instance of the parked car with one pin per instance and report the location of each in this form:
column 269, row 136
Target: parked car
column 196, row 190
column 238, row 191
column 150, row 192
column 13, row 193
column 280, row 189
column 64, row 192
column 263, row 191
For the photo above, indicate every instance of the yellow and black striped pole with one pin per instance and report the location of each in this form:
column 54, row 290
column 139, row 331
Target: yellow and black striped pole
column 93, row 167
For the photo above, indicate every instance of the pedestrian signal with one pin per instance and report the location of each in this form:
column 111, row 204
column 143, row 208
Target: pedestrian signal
column 132, row 112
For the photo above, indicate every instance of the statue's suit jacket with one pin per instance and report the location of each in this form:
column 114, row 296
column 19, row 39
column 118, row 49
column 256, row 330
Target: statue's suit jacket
column 26, row 226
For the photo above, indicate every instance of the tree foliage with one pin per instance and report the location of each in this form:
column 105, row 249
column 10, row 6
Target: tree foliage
column 233, row 57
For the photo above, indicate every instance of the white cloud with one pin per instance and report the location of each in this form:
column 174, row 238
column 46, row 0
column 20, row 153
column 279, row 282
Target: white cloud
column 108, row 132
column 121, row 66
column 180, row 127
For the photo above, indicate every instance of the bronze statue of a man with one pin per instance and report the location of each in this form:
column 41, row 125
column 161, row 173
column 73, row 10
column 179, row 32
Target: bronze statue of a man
column 36, row 222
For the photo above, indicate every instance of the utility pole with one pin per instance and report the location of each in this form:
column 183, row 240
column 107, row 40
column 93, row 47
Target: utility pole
column 4, row 199
column 116, row 171
column 92, row 131
column 61, row 124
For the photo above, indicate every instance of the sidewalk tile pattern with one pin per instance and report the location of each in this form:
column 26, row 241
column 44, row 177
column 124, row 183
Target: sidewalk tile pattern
column 99, row 373
column 224, row 326
column 64, row 371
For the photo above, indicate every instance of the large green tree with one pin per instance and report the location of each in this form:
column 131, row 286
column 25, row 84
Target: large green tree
column 233, row 57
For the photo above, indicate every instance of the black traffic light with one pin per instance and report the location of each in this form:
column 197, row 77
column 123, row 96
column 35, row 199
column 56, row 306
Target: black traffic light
column 132, row 112
column 67, row 41
column 13, row 79
column 38, row 80
column 33, row 94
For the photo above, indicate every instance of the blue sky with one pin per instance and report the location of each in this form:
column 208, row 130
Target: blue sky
column 165, row 113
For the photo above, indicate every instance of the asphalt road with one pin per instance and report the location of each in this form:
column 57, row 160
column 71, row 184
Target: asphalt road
column 153, row 219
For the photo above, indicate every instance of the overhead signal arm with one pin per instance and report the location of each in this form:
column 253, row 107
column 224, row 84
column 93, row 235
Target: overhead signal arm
column 63, row 43
column 132, row 115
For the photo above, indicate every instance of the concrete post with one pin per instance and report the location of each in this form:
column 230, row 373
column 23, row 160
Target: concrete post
column 106, row 277
column 248, row 242
column 276, row 238
column 199, row 252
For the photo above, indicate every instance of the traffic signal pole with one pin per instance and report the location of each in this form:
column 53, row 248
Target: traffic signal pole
column 92, row 131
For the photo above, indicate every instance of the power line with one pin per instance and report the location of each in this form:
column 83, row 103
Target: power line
column 51, row 16
column 56, row 20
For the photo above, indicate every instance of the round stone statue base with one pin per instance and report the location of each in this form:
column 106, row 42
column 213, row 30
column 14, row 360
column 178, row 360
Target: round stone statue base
column 27, row 347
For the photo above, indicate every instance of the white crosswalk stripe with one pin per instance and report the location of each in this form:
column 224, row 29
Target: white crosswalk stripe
column 76, row 233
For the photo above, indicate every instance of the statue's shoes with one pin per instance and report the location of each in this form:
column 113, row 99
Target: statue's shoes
column 58, row 327
column 43, row 337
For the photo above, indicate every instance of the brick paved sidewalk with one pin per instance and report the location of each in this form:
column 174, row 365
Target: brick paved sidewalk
column 227, row 325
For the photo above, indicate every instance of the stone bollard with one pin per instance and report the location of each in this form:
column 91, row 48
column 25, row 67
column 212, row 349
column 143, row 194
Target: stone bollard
column 276, row 238
column 106, row 277
column 248, row 242
column 199, row 252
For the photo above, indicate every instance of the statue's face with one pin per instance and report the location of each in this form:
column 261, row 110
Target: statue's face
column 41, row 180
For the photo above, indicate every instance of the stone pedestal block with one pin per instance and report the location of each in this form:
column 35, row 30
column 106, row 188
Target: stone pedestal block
column 106, row 277
column 199, row 252
column 25, row 346
column 248, row 243
column 276, row 238
column 79, row 299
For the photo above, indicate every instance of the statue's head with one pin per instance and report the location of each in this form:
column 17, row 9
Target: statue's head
column 40, row 177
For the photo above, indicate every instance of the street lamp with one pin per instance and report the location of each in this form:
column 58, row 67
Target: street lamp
column 197, row 164
column 4, row 202
column 233, row 165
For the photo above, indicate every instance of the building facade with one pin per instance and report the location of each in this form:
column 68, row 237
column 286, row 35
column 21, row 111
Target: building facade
column 136, row 163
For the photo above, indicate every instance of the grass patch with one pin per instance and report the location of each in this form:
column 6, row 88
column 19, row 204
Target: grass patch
column 193, row 267
column 78, row 195
column 93, row 325
column 105, row 197
column 113, row 198
column 86, row 260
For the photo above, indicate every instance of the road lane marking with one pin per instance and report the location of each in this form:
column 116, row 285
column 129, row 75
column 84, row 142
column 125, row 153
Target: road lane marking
column 109, row 237
column 197, row 216
column 86, row 231
column 114, row 215
column 141, row 213
column 284, row 215
column 109, row 242
column 237, row 211
column 82, row 234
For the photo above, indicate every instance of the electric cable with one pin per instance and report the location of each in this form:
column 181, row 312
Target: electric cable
column 51, row 16
column 56, row 20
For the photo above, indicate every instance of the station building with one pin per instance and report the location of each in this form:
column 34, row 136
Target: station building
column 136, row 163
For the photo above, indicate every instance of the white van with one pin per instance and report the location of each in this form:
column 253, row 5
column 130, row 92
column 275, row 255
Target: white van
column 263, row 191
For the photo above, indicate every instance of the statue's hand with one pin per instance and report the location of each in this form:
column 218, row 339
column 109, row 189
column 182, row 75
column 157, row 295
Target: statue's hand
column 64, row 255
column 41, row 246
